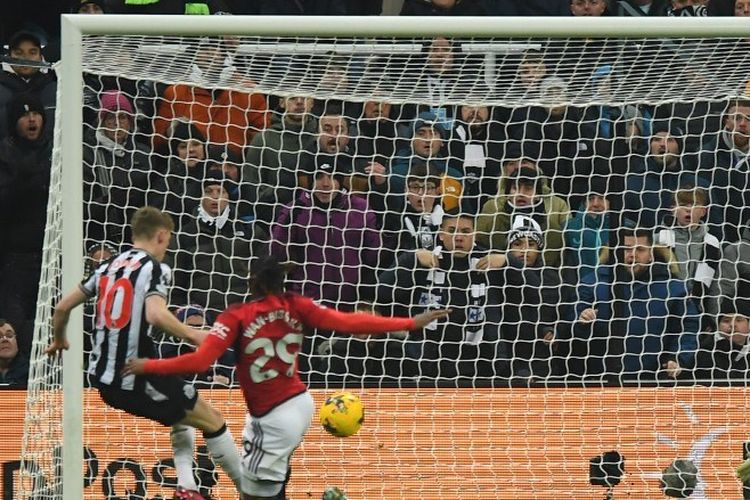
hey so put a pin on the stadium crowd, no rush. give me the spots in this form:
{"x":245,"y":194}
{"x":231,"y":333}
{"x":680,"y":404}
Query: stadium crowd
{"x":570,"y":241}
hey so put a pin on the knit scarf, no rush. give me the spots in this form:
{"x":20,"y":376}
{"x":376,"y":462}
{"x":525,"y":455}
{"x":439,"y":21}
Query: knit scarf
{"x":219,"y":221}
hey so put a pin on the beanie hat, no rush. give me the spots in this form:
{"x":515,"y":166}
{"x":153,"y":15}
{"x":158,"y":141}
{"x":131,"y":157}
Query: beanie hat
{"x":524,"y":175}
{"x":19,"y":106}
{"x":114,"y":101}
{"x":184,"y":312}
{"x":526,"y":227}
{"x":183,"y":131}
{"x":101,"y":3}
{"x":671,"y":129}
{"x":217,"y":177}
{"x":19,"y":36}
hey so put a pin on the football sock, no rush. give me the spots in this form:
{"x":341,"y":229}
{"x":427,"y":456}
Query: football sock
{"x":183,"y":445}
{"x":224,"y":452}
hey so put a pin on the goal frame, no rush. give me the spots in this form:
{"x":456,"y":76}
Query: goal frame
{"x":71,"y":122}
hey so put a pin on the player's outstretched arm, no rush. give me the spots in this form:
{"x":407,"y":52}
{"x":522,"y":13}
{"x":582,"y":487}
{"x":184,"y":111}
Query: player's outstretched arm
{"x":358,"y":323}
{"x":158,"y":314}
{"x":60,"y":320}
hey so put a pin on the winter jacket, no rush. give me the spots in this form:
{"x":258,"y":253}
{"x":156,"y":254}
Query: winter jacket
{"x":735,"y":268}
{"x":334,"y":246}
{"x":532,"y":302}
{"x":650,"y":191}
{"x":24,"y":188}
{"x":494,"y":223}
{"x":41,"y":85}
{"x":115,"y":185}
{"x":698,"y":256}
{"x":272,"y":162}
{"x":626,"y":8}
{"x":721,"y":360}
{"x":223,"y":116}
{"x":561,"y":147}
{"x":210,"y":264}
{"x":659,"y":320}
{"x":18,"y":375}
{"x":728,"y":172}
{"x":586,"y":235}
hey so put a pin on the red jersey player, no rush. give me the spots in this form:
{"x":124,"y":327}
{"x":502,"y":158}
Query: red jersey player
{"x":268,"y":333}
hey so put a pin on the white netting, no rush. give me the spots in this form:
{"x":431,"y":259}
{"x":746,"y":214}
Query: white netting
{"x":574,"y":145}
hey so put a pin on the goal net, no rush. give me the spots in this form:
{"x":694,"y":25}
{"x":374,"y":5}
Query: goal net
{"x":579,"y":202}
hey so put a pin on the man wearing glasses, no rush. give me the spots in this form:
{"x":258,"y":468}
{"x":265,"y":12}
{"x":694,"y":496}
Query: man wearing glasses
{"x":14,"y":366}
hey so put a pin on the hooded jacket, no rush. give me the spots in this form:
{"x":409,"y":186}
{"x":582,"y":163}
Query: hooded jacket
{"x":24,"y":188}
{"x":41,"y":85}
{"x":494,"y":223}
{"x":586,"y":234}
{"x":272,"y":162}
{"x":223,"y":116}
{"x":211,"y":263}
{"x":332,"y":246}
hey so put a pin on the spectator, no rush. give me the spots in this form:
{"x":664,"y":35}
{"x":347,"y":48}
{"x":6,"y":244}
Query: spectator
{"x":331,"y":236}
{"x":640,"y":8}
{"x":16,"y":79}
{"x":742,"y":8}
{"x":687,"y":8}
{"x":723,"y":163}
{"x":735,"y":269}
{"x":222,"y":116}
{"x":221,"y":374}
{"x":723,"y":355}
{"x":221,"y":160}
{"x":698,"y":252}
{"x":436,"y":80}
{"x":456,"y":275}
{"x":532,"y":298}
{"x":428,"y":144}
{"x":442,"y":8}
{"x":653,"y":180}
{"x":212,"y":252}
{"x":92,"y":7}
{"x":415,"y":226}
{"x":524,"y":193}
{"x":592,"y":8}
{"x":273,"y":156}
{"x":530,"y":72}
{"x":333,"y":138}
{"x":116,"y":171}
{"x":556,"y":137}
{"x":475,"y":149}
{"x":25,"y":164}
{"x":586,"y":234}
{"x":14,"y":365}
{"x":636,"y":319}
{"x":375,"y":137}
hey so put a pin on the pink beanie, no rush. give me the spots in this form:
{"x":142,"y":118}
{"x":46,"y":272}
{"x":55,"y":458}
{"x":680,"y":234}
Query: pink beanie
{"x":113,"y":101}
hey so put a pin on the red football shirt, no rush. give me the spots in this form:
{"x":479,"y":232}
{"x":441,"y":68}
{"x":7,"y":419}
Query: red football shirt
{"x":270,"y":333}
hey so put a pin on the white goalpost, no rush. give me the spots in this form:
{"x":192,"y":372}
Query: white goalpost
{"x":427,"y":434}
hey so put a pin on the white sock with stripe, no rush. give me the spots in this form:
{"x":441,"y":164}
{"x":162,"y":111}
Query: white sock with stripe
{"x":224,"y":452}
{"x":183,"y":447}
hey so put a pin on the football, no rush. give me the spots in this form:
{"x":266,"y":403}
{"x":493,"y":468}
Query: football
{"x":342,"y":414}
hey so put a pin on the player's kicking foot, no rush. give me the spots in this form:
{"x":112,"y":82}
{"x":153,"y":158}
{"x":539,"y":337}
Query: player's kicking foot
{"x":182,"y":494}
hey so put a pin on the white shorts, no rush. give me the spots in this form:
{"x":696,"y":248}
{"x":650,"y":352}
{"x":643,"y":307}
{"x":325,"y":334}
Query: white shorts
{"x":268,"y":443}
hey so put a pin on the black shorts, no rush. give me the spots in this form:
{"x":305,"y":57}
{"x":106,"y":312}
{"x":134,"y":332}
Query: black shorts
{"x":164,"y":399}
